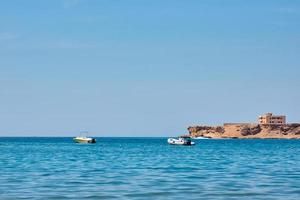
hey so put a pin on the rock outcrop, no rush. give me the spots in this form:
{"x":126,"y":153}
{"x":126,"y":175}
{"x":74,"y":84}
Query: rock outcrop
{"x":232,"y":130}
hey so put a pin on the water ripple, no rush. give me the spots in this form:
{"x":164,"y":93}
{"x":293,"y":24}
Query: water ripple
{"x":138,"y":168}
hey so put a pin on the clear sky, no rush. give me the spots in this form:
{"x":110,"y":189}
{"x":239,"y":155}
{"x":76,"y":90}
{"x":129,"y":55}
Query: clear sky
{"x":145,"y":68}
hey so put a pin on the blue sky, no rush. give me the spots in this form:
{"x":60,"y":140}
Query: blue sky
{"x":145,"y":68}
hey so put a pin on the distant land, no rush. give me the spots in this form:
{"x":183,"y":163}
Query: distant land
{"x":263,"y":131}
{"x":269,"y":126}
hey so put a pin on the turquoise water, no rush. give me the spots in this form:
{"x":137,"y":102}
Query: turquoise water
{"x":148,"y":168}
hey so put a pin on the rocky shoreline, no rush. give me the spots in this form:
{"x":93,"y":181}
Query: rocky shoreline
{"x":240,"y":130}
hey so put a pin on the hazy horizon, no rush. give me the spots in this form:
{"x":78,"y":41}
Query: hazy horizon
{"x":145,"y":68}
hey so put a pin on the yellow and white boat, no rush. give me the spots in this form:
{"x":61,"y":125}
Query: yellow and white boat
{"x":84,"y":139}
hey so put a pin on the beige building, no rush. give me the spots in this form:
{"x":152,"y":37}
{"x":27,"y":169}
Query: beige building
{"x":269,"y":118}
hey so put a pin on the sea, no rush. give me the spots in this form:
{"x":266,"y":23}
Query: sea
{"x":148,"y":168}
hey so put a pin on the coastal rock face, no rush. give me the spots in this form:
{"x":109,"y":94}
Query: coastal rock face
{"x":232,"y":130}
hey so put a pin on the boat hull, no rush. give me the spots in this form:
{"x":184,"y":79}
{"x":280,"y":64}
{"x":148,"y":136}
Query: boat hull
{"x":180,"y":141}
{"x":84,"y":140}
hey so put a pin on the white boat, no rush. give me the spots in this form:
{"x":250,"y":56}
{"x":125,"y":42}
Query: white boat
{"x":180,"y":141}
{"x":84,"y":139}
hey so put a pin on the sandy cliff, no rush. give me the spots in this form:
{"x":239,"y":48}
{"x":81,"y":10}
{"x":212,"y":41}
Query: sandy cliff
{"x":288,"y":131}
